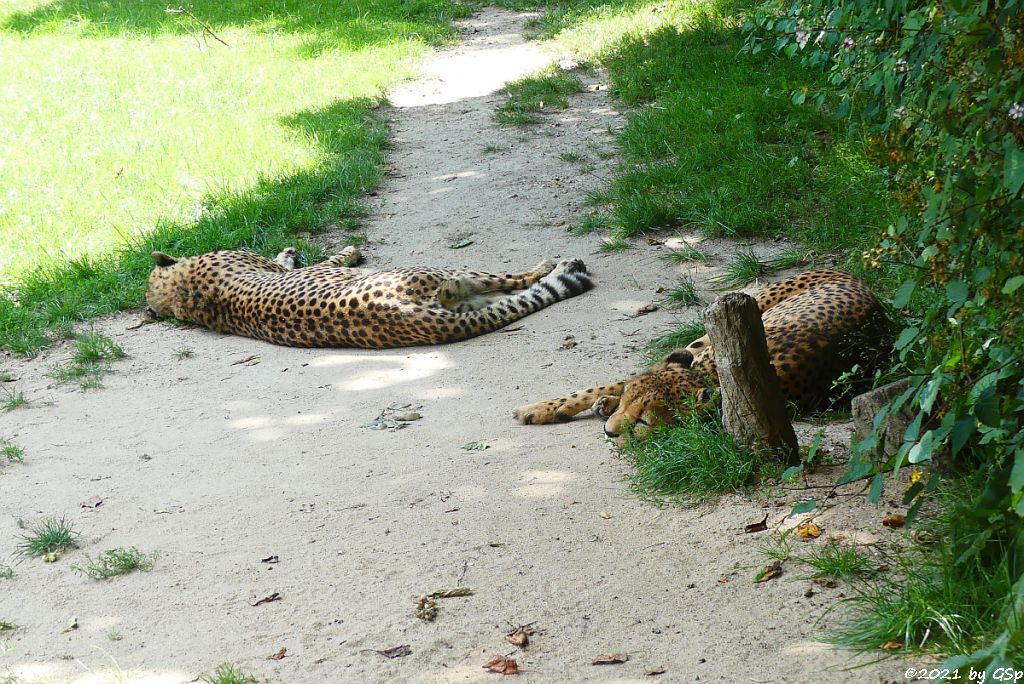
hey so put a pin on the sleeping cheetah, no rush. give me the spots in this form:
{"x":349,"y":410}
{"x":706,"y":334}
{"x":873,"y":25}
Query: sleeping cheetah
{"x":331,"y":305}
{"x":817,"y":324}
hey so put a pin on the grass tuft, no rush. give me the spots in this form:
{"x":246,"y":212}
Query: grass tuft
{"x":11,"y":452}
{"x":591,"y":223}
{"x":693,"y":461}
{"x":790,"y":258}
{"x":52,"y":535}
{"x":229,"y":674}
{"x":530,"y":96}
{"x":13,"y":398}
{"x":6,"y":572}
{"x":184,"y":353}
{"x":674,"y":339}
{"x":614,"y":244}
{"x":743,"y":268}
{"x":832,"y":561}
{"x":6,"y":626}
{"x":685,"y":255}
{"x":91,"y":361}
{"x":683,"y":294}
{"x":493,"y":149}
{"x":114,"y":562}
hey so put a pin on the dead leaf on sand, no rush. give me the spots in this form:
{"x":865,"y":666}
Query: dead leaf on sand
{"x":808,"y":530}
{"x":655,"y":672}
{"x":894,"y":520}
{"x":270,"y":559}
{"x":279,"y":655}
{"x":247,"y":361}
{"x":606,"y":515}
{"x":502,"y":665}
{"x":611,"y":659}
{"x":644,"y":310}
{"x":892,"y":646}
{"x":769,"y":572}
{"x":395,"y":651}
{"x":451,"y":592}
{"x":520,"y":636}
{"x":825,"y":582}
{"x":758,"y":526}
{"x":268,"y":599}
{"x":92,"y":502}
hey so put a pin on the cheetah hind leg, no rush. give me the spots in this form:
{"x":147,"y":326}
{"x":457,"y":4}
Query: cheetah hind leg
{"x":603,"y":400}
{"x":350,"y":256}
{"x":474,"y":290}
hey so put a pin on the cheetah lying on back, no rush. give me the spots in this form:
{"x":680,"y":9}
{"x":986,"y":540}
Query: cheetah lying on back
{"x":332,"y":305}
{"x":818,"y":325}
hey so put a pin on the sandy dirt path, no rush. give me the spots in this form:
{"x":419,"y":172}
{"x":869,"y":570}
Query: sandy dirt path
{"x":246,"y":451}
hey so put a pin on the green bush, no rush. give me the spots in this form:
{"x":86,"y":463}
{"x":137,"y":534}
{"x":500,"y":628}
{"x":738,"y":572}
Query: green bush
{"x":937,"y":90}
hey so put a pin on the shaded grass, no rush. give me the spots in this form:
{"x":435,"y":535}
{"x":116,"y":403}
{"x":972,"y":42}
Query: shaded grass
{"x":114,"y":562}
{"x":613,"y":243}
{"x":673,"y":339}
{"x":51,"y":535}
{"x":694,"y":460}
{"x":685,"y":255}
{"x":544,"y":92}
{"x":683,"y":294}
{"x":743,"y":268}
{"x":191,"y":146}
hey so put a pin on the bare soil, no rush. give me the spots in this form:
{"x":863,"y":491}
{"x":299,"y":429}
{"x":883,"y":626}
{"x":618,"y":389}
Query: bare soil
{"x":246,"y":466}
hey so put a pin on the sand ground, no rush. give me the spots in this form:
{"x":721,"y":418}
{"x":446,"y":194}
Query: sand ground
{"x":245,"y":451}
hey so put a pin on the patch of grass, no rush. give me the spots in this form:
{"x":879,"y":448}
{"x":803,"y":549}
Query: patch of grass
{"x":743,"y":268}
{"x":946,"y":596}
{"x":229,"y":674}
{"x":546,"y":91}
{"x":184,"y":353}
{"x":685,"y":255}
{"x":674,"y":339}
{"x":614,"y":244}
{"x":693,"y":461}
{"x":572,"y":157}
{"x":52,"y":535}
{"x":7,"y":376}
{"x":114,"y":635}
{"x":192,"y":146}
{"x":493,"y":149}
{"x":790,"y":258}
{"x":777,"y":547}
{"x":591,"y":223}
{"x":832,"y":561}
{"x":13,"y":398}
{"x":11,"y":452}
{"x":683,"y":294}
{"x":94,"y":353}
{"x":6,"y":626}
{"x":114,"y":562}
{"x":6,"y":572}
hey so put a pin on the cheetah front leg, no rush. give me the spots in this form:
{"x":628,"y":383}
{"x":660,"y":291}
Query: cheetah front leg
{"x":603,"y":400}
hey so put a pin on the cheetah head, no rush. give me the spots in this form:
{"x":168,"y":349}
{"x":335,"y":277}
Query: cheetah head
{"x":669,"y":388}
{"x":163,"y":294}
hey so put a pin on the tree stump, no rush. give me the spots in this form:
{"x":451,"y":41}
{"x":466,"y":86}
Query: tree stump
{"x":752,"y":407}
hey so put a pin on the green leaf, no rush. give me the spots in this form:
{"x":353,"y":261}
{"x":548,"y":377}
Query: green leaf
{"x":1013,"y":167}
{"x":962,"y":431}
{"x":906,"y":337}
{"x":986,"y":408}
{"x":922,"y":451}
{"x":902,"y":296}
{"x":798,"y":97}
{"x":1017,"y":474}
{"x":877,"y":482}
{"x":475,"y":446}
{"x":912,"y":492}
{"x":789,"y":475}
{"x":804,"y":507}
{"x":1013,"y":284}
{"x":956,"y":291}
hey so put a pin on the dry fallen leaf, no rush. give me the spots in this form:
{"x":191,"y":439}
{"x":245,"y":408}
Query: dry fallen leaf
{"x":892,"y":646}
{"x":307,"y":507}
{"x":268,"y":599}
{"x":270,"y":559}
{"x":451,"y":592}
{"x":758,"y":526}
{"x":396,"y":651}
{"x":611,"y":659}
{"x":808,"y":530}
{"x":501,"y":665}
{"x":723,"y":580}
{"x":520,"y":636}
{"x":279,"y":655}
{"x":426,"y":608}
{"x":606,"y":515}
{"x":893,"y":520}
{"x":825,"y":582}
{"x":92,"y":502}
{"x":655,"y":672}
{"x":769,"y":572}
{"x":645,"y":309}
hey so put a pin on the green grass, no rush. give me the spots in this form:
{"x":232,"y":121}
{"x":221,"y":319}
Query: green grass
{"x":7,"y":376}
{"x":573,"y":157}
{"x":951,"y":596}
{"x":673,"y":339}
{"x":493,"y":149}
{"x":184,"y":353}
{"x":6,"y":572}
{"x":12,"y":399}
{"x":743,"y":268}
{"x":832,"y":561}
{"x":114,"y":562}
{"x":229,"y":674}
{"x":614,"y":243}
{"x":11,"y":452}
{"x":546,"y":91}
{"x":91,"y":361}
{"x":591,"y":223}
{"x":6,"y":626}
{"x":693,"y":461}
{"x":683,"y":294}
{"x":686,"y":255}
{"x":790,"y":258}
{"x":769,"y":168}
{"x":52,"y":535}
{"x":190,"y":145}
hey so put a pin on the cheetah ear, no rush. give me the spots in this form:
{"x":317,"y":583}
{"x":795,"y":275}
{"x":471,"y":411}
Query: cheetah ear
{"x":680,"y":357}
{"x":163,"y":260}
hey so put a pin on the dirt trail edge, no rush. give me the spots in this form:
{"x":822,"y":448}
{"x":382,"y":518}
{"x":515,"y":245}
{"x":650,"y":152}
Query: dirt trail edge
{"x":250,"y":470}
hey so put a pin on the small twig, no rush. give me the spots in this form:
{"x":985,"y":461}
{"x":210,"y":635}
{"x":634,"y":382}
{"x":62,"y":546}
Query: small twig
{"x":206,"y":27}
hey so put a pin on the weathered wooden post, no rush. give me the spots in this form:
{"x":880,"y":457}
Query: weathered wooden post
{"x":752,"y":405}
